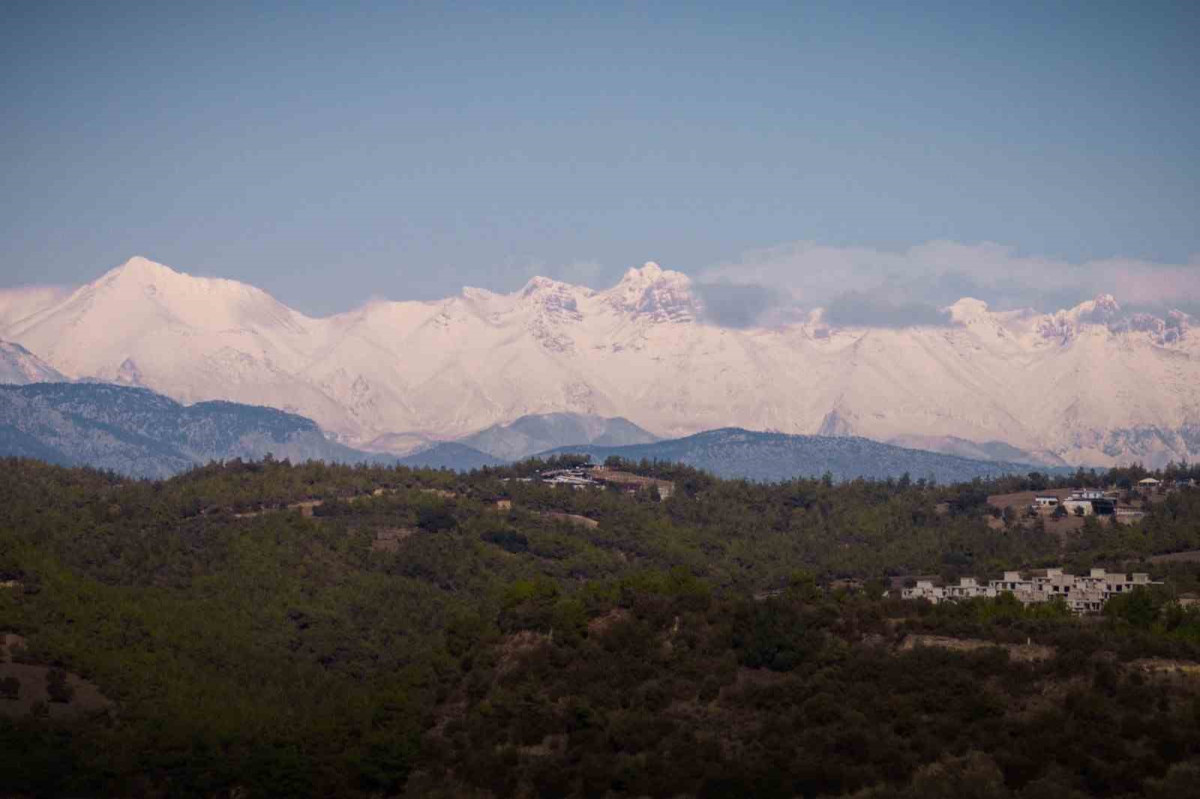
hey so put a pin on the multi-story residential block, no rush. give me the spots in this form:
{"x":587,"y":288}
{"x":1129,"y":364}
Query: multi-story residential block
{"x":1081,"y":594}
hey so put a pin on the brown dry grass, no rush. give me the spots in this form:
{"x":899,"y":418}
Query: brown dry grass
{"x":1179,"y":670}
{"x":1191,"y":556}
{"x":1021,"y":500}
{"x":515,"y":646}
{"x":573,"y":518}
{"x":388,"y":539}
{"x":87,"y":697}
{"x":1025,"y":653}
{"x":600,"y":624}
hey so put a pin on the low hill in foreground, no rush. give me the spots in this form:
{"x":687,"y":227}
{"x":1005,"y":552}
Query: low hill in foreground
{"x":139,"y":433}
{"x":732,"y":452}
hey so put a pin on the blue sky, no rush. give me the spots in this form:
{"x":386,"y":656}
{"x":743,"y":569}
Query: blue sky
{"x":331,"y":152}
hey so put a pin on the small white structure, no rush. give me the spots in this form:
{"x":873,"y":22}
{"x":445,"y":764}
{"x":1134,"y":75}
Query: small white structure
{"x":1013,"y":581}
{"x":1129,"y":515}
{"x":576,"y":477}
{"x":1083,"y":506}
{"x":925,"y":589}
{"x":1149,"y":482}
{"x":968,"y":588}
{"x":1045,"y":501}
{"x":1088,"y":493}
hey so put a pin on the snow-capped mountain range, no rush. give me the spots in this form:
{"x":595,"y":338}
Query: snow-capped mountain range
{"x":1090,"y":385}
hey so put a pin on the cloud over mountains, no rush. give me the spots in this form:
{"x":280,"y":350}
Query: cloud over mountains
{"x":880,"y":288}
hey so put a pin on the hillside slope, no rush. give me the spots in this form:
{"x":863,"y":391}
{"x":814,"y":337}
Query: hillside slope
{"x":732,"y":453}
{"x":19,"y":366}
{"x":450,"y":455}
{"x":137,"y":432}
{"x":539,"y":432}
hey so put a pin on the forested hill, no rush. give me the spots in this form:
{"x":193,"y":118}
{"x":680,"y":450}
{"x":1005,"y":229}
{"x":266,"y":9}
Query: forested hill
{"x":136,"y":432}
{"x":270,"y":629}
{"x":732,"y":452}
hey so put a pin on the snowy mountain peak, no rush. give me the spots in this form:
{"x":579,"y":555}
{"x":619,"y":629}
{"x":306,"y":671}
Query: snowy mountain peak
{"x":139,"y":267}
{"x":1101,"y":310}
{"x":156,"y":316}
{"x":541,"y":285}
{"x":657,"y":294}
{"x":139,"y":276}
{"x":552,"y":301}
{"x":546,"y":290}
{"x":648,"y":273}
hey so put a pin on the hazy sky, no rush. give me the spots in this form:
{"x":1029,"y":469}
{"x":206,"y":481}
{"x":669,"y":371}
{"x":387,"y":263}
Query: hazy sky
{"x":330,"y":152}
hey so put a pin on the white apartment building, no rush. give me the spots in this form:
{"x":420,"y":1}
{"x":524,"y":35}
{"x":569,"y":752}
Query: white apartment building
{"x":1081,"y":594}
{"x":967,"y":588}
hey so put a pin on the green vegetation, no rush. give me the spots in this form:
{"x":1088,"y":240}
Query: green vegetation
{"x":409,"y":637}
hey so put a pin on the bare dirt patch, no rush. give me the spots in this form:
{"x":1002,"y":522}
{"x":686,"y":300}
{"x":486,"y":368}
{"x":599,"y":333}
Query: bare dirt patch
{"x":9,"y":642}
{"x":1021,"y":500}
{"x":305,"y":508}
{"x":86,"y":697}
{"x":517,"y":645}
{"x":550,"y":745}
{"x":573,"y":518}
{"x":1067,"y":524}
{"x":1190,"y":556}
{"x":600,"y":624}
{"x":389,"y":538}
{"x":1168,"y":669}
{"x":749,"y":679}
{"x":439,"y":492}
{"x":631,"y":480}
{"x":1025,"y":653}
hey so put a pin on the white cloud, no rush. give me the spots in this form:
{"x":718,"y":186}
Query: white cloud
{"x":940,"y":272}
{"x":22,"y":301}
